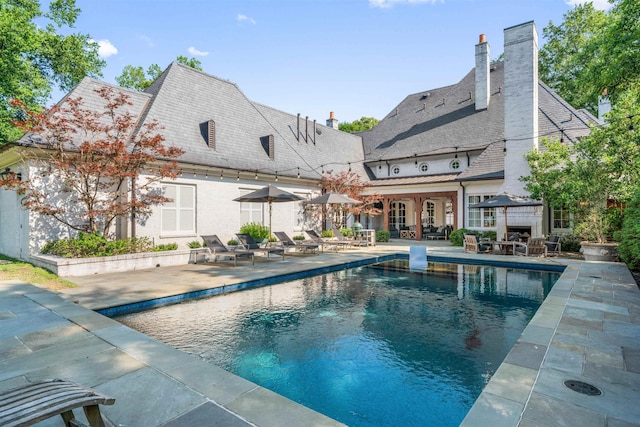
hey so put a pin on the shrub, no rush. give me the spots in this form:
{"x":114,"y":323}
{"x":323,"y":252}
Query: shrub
{"x":327,"y":233}
{"x":300,"y":237}
{"x":255,"y":230}
{"x":194,"y":244}
{"x":94,"y":245}
{"x":457,"y":236}
{"x":347,"y":232}
{"x":382,"y":236}
{"x":232,"y":242}
{"x":491,"y":235}
{"x":629,"y":235}
{"x":570,"y":243}
{"x":165,"y":247}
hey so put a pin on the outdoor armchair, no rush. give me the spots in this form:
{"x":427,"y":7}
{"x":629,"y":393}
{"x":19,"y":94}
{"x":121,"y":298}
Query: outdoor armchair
{"x":218,"y":250}
{"x":535,"y":246}
{"x":472,"y":245}
{"x":553,"y":245}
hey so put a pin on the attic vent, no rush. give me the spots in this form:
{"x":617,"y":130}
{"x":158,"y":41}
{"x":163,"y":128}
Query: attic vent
{"x":268,"y":146}
{"x":211,"y":134}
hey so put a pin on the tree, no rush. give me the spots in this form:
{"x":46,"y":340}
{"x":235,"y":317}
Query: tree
{"x":593,"y":51}
{"x":136,"y":78}
{"x":350,"y":184}
{"x":85,"y":160}
{"x":362,"y":124}
{"x":34,"y":57}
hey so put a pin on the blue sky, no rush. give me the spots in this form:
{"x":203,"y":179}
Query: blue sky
{"x":354,"y":57}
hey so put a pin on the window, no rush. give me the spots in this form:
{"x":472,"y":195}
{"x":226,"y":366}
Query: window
{"x":395,"y":169}
{"x":429,"y":214}
{"x":250,"y":212}
{"x":397,"y":215}
{"x":480,"y":217}
{"x":179,"y":215}
{"x":424,"y":167}
{"x":448,"y":209}
{"x":455,"y":164}
{"x":560,"y":218}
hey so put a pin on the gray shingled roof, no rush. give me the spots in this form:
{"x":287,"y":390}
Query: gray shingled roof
{"x":184,"y":98}
{"x":438,"y":120}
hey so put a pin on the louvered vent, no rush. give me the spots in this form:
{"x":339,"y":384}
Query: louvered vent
{"x":211,"y":134}
{"x":268,"y":146}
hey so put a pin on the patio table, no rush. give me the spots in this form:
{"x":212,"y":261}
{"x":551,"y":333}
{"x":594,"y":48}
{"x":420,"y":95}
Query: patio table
{"x":506,"y":247}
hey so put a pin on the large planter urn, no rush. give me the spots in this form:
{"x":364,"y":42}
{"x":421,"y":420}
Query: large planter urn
{"x":599,"y":251}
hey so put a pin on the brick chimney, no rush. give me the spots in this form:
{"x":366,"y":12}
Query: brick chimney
{"x":520,"y":102}
{"x":483,"y":94}
{"x":332,"y":122}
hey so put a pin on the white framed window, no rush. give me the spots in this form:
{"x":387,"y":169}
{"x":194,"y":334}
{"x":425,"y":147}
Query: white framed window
{"x":560,"y":218}
{"x":395,"y":170}
{"x":397,"y":215}
{"x":251,"y":212}
{"x":480,"y":217}
{"x":179,"y":215}
{"x":454,"y":164}
{"x":424,"y":167}
{"x":429,"y":214}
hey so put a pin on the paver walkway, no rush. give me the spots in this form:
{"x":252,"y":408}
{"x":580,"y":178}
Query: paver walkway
{"x":588,"y":329}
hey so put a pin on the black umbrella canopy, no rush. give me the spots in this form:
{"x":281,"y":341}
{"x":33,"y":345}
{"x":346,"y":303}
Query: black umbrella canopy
{"x":331,"y":198}
{"x":268,"y":194}
{"x":506,"y":201}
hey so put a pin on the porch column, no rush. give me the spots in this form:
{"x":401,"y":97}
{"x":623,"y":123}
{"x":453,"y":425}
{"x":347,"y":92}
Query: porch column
{"x":385,"y":212}
{"x":418,"y":202}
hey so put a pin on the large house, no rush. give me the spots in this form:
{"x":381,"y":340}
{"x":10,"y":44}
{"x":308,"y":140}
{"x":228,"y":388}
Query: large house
{"x":433,"y":156}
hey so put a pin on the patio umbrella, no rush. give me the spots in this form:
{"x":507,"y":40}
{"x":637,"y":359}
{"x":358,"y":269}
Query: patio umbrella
{"x":269,"y":194}
{"x":332,"y":198}
{"x":506,"y":201}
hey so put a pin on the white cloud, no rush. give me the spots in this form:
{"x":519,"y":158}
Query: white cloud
{"x":147,"y":40}
{"x":384,"y":4}
{"x":598,"y":4}
{"x":105,"y":48}
{"x":195,"y":52}
{"x":245,"y":18}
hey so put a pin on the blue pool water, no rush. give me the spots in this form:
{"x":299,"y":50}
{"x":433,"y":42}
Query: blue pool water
{"x":369,"y":346}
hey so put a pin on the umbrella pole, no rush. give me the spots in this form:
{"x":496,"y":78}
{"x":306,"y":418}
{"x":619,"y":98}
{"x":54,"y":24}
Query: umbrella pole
{"x":269,"y":240}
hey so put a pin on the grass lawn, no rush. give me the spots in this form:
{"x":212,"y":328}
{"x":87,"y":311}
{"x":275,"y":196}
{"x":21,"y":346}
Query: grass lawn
{"x":12,"y":269}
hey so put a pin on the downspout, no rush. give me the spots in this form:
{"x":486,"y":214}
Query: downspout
{"x":464,"y":193}
{"x":468,"y":160}
{"x":133,"y":210}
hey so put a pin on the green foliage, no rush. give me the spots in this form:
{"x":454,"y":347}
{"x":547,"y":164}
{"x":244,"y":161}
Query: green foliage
{"x":36,"y":56}
{"x":457,"y":236}
{"x":490,"y":235}
{"x":326,"y":234}
{"x":629,"y":235}
{"x":570,"y":242}
{"x":298,"y":237}
{"x":136,"y":78}
{"x":347,"y":232}
{"x":165,"y":247}
{"x":382,"y":236}
{"x":362,"y":124}
{"x":255,"y":230}
{"x":232,"y":242}
{"x":194,"y":244}
{"x":95,"y":245}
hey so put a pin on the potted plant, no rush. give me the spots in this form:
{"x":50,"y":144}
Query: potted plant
{"x":259,"y":232}
{"x":590,"y":178}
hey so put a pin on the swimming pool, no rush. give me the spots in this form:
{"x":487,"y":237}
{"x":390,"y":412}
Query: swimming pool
{"x":369,"y":346}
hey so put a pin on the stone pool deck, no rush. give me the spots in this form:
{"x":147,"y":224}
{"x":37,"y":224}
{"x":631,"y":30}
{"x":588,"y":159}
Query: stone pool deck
{"x":588,"y":329}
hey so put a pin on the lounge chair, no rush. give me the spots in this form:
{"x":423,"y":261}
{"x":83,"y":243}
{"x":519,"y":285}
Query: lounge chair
{"x":351,"y":242}
{"x":287,"y":243}
{"x":534,"y":247}
{"x":249,"y":244}
{"x":472,"y":245}
{"x":553,"y":245}
{"x":218,"y":250}
{"x":329,"y":244}
{"x":29,"y":404}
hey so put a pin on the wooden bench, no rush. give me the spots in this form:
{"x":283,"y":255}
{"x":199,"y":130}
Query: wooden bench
{"x":29,"y":404}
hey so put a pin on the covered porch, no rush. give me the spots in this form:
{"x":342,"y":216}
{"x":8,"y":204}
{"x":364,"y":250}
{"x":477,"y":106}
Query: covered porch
{"x":411,"y":215}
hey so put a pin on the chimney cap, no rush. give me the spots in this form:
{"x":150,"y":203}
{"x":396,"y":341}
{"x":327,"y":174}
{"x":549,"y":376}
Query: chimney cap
{"x":332,"y":115}
{"x":483,"y":38}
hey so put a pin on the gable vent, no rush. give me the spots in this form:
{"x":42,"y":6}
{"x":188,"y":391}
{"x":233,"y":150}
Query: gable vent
{"x":268,"y":146}
{"x":211,"y":134}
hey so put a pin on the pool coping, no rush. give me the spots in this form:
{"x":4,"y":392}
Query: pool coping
{"x":516,"y":394}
